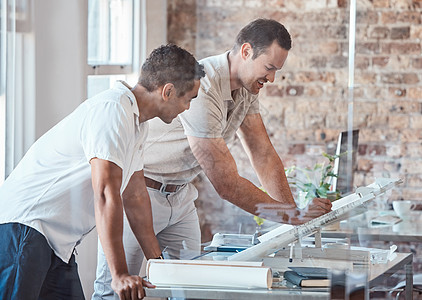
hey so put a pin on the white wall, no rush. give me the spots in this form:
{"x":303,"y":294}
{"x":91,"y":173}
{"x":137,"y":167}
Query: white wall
{"x":60,"y":55}
{"x":60,"y":33}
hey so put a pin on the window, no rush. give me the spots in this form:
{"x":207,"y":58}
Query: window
{"x":113,"y":43}
{"x":16,"y":99}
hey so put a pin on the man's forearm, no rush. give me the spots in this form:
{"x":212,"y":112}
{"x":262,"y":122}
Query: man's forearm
{"x":109,"y":221}
{"x":137,"y":206}
{"x":270,"y":171}
{"x":247,"y":196}
{"x":144,"y":233}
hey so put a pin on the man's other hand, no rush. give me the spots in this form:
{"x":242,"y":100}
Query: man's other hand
{"x":288,"y":214}
{"x":130,"y":287}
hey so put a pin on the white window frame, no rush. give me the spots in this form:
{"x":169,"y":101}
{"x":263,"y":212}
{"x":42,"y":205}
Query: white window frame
{"x":139,"y":24}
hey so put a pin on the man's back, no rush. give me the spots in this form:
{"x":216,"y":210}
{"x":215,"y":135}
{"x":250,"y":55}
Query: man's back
{"x":214,"y":113}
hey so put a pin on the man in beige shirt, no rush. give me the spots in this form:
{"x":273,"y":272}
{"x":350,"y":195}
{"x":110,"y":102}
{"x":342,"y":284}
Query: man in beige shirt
{"x":227,"y":104}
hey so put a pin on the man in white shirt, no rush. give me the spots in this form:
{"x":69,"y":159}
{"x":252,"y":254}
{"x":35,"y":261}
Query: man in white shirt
{"x":227,"y":104}
{"x":88,"y":171}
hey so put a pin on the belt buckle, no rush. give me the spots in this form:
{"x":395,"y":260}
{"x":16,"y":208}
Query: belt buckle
{"x":163,"y":189}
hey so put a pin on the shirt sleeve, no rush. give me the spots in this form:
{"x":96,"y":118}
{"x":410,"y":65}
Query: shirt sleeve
{"x":254,"y":107}
{"x":105,"y":133}
{"x":204,"y":117}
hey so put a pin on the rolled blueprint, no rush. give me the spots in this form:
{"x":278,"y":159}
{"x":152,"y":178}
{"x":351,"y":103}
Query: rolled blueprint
{"x":169,"y":272}
{"x":348,"y":206}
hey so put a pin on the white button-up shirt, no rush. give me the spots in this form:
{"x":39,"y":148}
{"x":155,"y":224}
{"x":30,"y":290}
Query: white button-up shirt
{"x":50,"y":189}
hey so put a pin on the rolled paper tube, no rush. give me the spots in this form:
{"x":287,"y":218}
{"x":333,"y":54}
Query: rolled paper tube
{"x":341,"y":209}
{"x":208,"y":274}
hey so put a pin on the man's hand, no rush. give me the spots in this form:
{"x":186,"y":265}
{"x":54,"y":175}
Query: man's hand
{"x":130,"y":287}
{"x":288,"y":214}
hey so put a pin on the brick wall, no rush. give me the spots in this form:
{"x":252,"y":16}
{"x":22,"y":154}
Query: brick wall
{"x":306,"y":107}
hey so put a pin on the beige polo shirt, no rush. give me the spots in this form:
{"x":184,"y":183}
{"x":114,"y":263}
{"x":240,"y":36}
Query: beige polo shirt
{"x":215,"y":113}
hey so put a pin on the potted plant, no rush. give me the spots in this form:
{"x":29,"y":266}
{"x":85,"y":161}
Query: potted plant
{"x":313,"y":182}
{"x":310,"y":183}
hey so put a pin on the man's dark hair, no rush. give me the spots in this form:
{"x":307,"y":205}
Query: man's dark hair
{"x":170,"y":64}
{"x":261,"y":33}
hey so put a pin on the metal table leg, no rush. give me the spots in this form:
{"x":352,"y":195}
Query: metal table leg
{"x":409,"y":280}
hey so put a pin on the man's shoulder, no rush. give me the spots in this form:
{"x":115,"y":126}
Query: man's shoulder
{"x":217,"y":72}
{"x":112,"y":96}
{"x":215,"y":62}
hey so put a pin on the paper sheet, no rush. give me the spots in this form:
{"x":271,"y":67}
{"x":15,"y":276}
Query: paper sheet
{"x":208,"y":273}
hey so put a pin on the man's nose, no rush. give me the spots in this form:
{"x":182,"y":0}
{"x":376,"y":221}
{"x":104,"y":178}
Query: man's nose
{"x":270,"y":77}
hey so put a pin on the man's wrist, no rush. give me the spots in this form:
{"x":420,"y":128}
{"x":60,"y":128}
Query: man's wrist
{"x":159,"y":257}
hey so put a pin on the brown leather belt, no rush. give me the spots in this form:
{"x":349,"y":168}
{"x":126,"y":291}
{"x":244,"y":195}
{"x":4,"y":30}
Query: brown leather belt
{"x":163,"y":188}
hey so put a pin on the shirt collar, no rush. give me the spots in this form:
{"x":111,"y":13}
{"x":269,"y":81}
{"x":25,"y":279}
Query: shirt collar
{"x":225,"y":76}
{"x":122,"y":85}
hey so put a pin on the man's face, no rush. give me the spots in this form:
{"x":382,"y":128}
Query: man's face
{"x":176,"y":105}
{"x":254,"y":73}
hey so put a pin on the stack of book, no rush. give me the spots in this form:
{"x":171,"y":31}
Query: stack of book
{"x":308,"y":276}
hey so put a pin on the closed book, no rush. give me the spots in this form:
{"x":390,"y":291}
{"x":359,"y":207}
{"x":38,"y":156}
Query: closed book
{"x":305,"y":281}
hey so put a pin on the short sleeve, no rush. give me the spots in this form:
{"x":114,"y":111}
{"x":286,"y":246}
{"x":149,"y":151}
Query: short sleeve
{"x":204,"y":117}
{"x":254,"y":107}
{"x":105,"y":131}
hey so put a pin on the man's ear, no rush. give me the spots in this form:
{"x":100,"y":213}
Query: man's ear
{"x":246,"y":51}
{"x":168,"y":89}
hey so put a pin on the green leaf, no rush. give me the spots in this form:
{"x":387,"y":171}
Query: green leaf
{"x":259,"y":221}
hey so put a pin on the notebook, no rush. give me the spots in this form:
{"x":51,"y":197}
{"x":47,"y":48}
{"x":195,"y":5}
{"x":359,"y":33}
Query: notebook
{"x":386,"y":220}
{"x":308,"y":276}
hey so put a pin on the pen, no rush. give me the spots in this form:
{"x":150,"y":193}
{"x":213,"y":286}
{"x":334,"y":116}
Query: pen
{"x":291,"y":252}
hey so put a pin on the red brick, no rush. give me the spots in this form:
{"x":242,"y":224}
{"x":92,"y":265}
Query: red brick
{"x":417,"y":63}
{"x":401,"y":4}
{"x":294,"y":91}
{"x":366,"y":17}
{"x":297,"y":149}
{"x":338,"y":62}
{"x":395,"y":150}
{"x":412,"y":166}
{"x":389,"y":17}
{"x":378,"y":134}
{"x":401,"y":48}
{"x":400,"y":78}
{"x":380,"y":61}
{"x":376,"y":120}
{"x":330,"y":47}
{"x":414,"y":180}
{"x":400,"y":33}
{"x":416,"y":32}
{"x":376,"y":150}
{"x":365,"y":77}
{"x":416,"y":122}
{"x":362,"y":149}
{"x":314,"y":91}
{"x":415,"y":92}
{"x":381,"y":3}
{"x":318,"y":62}
{"x":379,"y":32}
{"x":412,"y":17}
{"x":305,"y":135}
{"x":343,"y":3}
{"x":326,"y":135}
{"x":417,"y":3}
{"x":398,"y":121}
{"x":368,"y":48}
{"x":327,"y":77}
{"x":364,"y":165}
{"x":397,"y":92}
{"x":274,"y":91}
{"x":361,"y":62}
{"x":410,"y":135}
{"x":413,"y":149}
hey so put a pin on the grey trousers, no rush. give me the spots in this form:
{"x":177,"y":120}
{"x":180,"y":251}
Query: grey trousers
{"x":177,"y":229}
